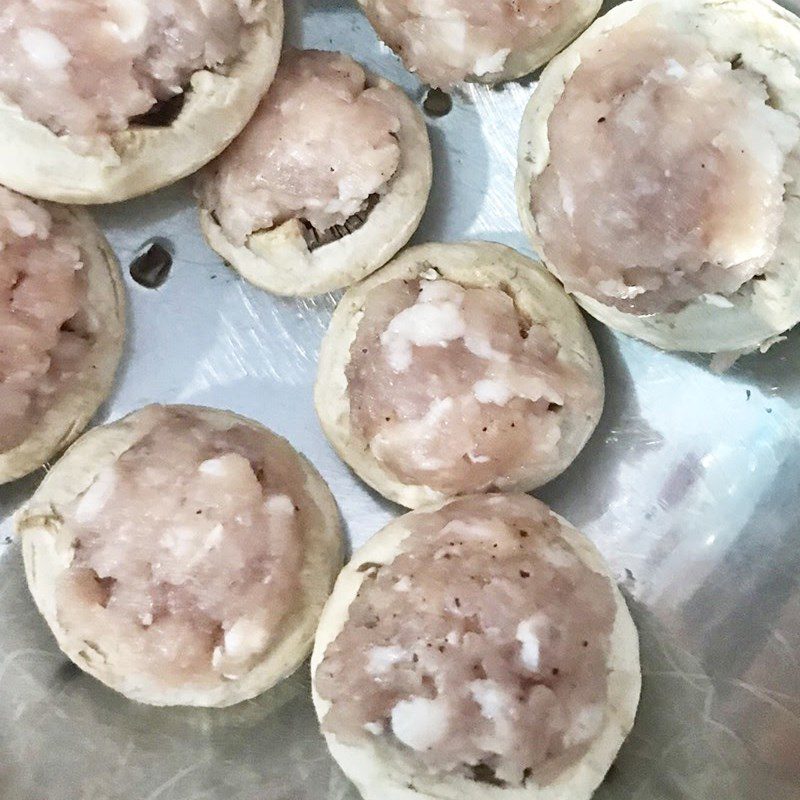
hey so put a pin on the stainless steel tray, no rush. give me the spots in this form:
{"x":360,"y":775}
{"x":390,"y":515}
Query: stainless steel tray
{"x":689,"y":487}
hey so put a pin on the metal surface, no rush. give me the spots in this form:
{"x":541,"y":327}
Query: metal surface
{"x":689,"y":487}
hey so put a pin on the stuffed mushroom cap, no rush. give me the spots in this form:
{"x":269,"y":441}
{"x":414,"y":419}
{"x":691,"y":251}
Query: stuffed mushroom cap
{"x":478,"y":40}
{"x":62,"y":318}
{"x":326,"y":183}
{"x":182,"y":555}
{"x":458,"y":368}
{"x":658,"y":164}
{"x":100,"y":102}
{"x":477,"y":648}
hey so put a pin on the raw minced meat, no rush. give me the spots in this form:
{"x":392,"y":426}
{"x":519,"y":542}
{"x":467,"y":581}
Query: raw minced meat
{"x":188,"y":551}
{"x":666,"y":172}
{"x":481,"y":649}
{"x":444,"y":43}
{"x":320,"y":144}
{"x":44,"y":332}
{"x":452,"y":388}
{"x":86,"y":67}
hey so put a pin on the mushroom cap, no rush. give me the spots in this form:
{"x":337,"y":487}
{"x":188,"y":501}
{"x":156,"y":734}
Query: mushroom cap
{"x":767,"y":37}
{"x":280,"y":261}
{"x":48,"y":550}
{"x":39,"y":163}
{"x":76,"y":403}
{"x":477,"y":264}
{"x":376,"y":769}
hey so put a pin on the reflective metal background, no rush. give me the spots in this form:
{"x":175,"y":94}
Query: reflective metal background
{"x":690,"y":487}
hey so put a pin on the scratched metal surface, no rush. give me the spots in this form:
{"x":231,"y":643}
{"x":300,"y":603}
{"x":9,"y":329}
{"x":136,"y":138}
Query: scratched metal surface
{"x":690,"y":488}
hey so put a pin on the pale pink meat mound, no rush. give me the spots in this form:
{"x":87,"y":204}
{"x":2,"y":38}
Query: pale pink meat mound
{"x":481,"y":650}
{"x":44,"y":330}
{"x":445,"y":43}
{"x":86,"y":67}
{"x":666,"y":174}
{"x":321,"y":143}
{"x":453,"y":388}
{"x":188,"y":551}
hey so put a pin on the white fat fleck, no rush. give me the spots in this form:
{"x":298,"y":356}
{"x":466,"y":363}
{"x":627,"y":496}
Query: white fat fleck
{"x":452,"y":638}
{"x":430,"y":423}
{"x":21,"y":224}
{"x":468,"y":529}
{"x":585,"y":726}
{"x":491,"y":698}
{"x":527,"y":636}
{"x":212,"y":541}
{"x":375,"y":728}
{"x":716,"y":300}
{"x":481,"y":347}
{"x":476,"y":459}
{"x":381,"y":659}
{"x":214,"y":538}
{"x":452,"y":31}
{"x":558,"y":556}
{"x":437,"y":411}
{"x":403,"y":585}
{"x":619,"y":289}
{"x":675,"y":69}
{"x":182,"y":542}
{"x":244,"y":639}
{"x":127,"y":19}
{"x":420,"y":723}
{"x":44,"y":49}
{"x":434,"y":320}
{"x":567,"y":197}
{"x":485,"y":65}
{"x":214,"y":466}
{"x":96,"y":496}
{"x":280,"y":504}
{"x":146,"y":619}
{"x":492,"y":391}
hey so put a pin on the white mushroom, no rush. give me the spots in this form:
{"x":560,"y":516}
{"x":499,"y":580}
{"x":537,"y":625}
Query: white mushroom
{"x":315,"y":195}
{"x":482,"y":40}
{"x":56,"y":153}
{"x":56,"y":406}
{"x":458,"y":368}
{"x":707,"y":251}
{"x":175,"y":585}
{"x":424,"y":746}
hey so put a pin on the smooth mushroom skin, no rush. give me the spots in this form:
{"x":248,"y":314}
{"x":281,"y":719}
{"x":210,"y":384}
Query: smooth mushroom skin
{"x":292,"y":257}
{"x":215,"y":103}
{"x":754,"y":36}
{"x":76,"y":370}
{"x":568,"y":379}
{"x":382,"y":760}
{"x":476,"y":40}
{"x":194,"y":628}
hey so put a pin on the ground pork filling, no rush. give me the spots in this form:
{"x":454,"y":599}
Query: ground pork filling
{"x":320,"y":146}
{"x":453,"y":388}
{"x":86,"y":68}
{"x":666,"y":174}
{"x":188,"y":552}
{"x":45,"y":331}
{"x":482,"y":649}
{"x":446,"y":45}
